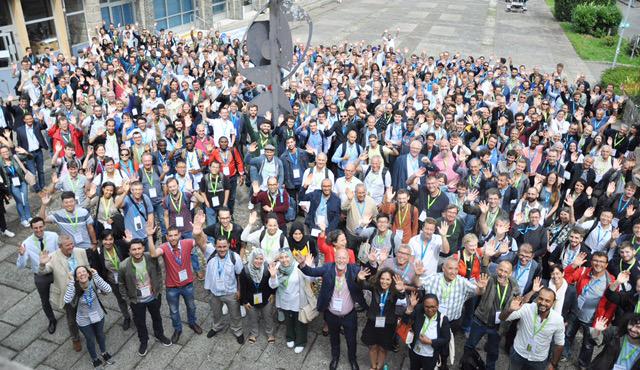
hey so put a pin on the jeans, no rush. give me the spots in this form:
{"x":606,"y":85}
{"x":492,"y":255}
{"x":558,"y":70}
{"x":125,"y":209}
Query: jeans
{"x":122,"y":304}
{"x":492,"y":346}
{"x":296,"y":330}
{"x":350,"y":324}
{"x":158,"y":211}
{"x":140,"y":319}
{"x":469,"y":308}
{"x":36,"y":167}
{"x":586,"y":349}
{"x":215,"y":302}
{"x":212,"y":216}
{"x":233,"y":185}
{"x":43,"y":285}
{"x":93,"y":332}
{"x":517,"y":362}
{"x":173,"y":300}
{"x":21,"y":196}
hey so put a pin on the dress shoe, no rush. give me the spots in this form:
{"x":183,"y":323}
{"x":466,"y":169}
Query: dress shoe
{"x":334,"y":363}
{"x":354,"y":365}
{"x":126,"y":323}
{"x":240,"y":339}
{"x":77,"y":346}
{"x":196,"y":328}
{"x":211,"y":333}
{"x":52,"y":326}
{"x":176,"y":336}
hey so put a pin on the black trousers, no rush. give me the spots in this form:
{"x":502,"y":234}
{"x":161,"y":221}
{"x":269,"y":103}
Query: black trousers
{"x":43,"y":285}
{"x":122,"y":304}
{"x":349,"y":323}
{"x":140,"y":319}
{"x":417,"y":362}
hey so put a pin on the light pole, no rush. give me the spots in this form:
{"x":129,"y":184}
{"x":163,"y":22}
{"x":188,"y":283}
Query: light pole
{"x":623,"y":26}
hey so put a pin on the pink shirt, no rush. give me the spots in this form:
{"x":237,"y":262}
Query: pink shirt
{"x":341,"y":294}
{"x":445,"y":165}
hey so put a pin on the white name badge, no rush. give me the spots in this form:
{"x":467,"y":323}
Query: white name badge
{"x":409,"y":339}
{"x":423,"y":216}
{"x":261,"y":151}
{"x":145,"y":292}
{"x":94,"y":316}
{"x":153,"y":193}
{"x":182,"y":275}
{"x":134,"y":111}
{"x":179,"y":221}
{"x":619,"y":367}
{"x":336,"y":304}
{"x":380,"y":320}
{"x":115,"y":277}
{"x":315,"y":232}
{"x":257,"y":298}
{"x":107,"y":226}
{"x":137,"y":223}
{"x":614,"y":152}
{"x":497,"y":317}
{"x":215,"y":201}
{"x":296,"y":173}
{"x":399,"y":234}
{"x":225,"y":171}
{"x":15,"y":181}
{"x":567,"y":175}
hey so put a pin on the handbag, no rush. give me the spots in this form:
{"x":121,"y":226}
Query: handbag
{"x":363,"y":252}
{"x":310,"y":310}
{"x":403,"y":331}
{"x":29,"y":178}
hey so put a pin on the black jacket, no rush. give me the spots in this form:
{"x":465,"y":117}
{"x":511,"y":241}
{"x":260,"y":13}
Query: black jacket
{"x":441,"y":344}
{"x":248,"y":288}
{"x":328,"y":274}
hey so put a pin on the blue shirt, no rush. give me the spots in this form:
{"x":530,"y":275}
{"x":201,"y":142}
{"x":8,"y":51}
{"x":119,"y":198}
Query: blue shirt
{"x":135,"y":218}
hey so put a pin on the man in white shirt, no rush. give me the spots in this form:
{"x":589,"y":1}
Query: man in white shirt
{"x":318,"y":173}
{"x":427,"y":245}
{"x":538,"y":326}
{"x":599,"y":236}
{"x":347,"y":182}
{"x":223,"y":127}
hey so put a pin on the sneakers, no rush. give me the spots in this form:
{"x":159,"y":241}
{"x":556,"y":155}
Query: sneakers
{"x":142,"y":350}
{"x":97,"y":363}
{"x":106,"y":357}
{"x":240,"y":339}
{"x":298,"y":349}
{"x":8,"y":233}
{"x":225,"y":309}
{"x":165,"y":341}
{"x":176,"y":336}
{"x":24,"y":223}
{"x":290,"y":344}
{"x":211,"y":333}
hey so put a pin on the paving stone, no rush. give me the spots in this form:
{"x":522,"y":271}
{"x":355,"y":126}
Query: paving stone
{"x":18,"y":279}
{"x":450,"y":17}
{"x":5,"y":330}
{"x":199,"y":349}
{"x":10,"y":297}
{"x":64,"y":357}
{"x":456,"y":7}
{"x":35,"y":353}
{"x":7,"y":352}
{"x":25,"y":334}
{"x":44,"y":367}
{"x":159,"y":356}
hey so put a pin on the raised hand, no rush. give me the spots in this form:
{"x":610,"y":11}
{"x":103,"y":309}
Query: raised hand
{"x":349,"y":193}
{"x":255,"y":187}
{"x":631,"y":210}
{"x":45,"y":198}
{"x":128,"y":236}
{"x":373,"y":256}
{"x":537,"y":284}
{"x":413,"y":299}
{"x":397,"y":279}
{"x":568,"y":200}
{"x":253,"y":218}
{"x":44,"y":258}
{"x":444,"y":228}
{"x":611,"y":188}
{"x":484,"y":207}
{"x":300,"y":258}
{"x":151,"y":229}
{"x":588,"y":213}
{"x":615,"y":234}
{"x":579,"y":260}
{"x":623,"y":277}
{"x":516,"y":303}
{"x":21,"y":249}
{"x":389,"y":195}
{"x":419,"y":267}
{"x":472,"y":195}
{"x":199,"y":220}
{"x":322,"y":225}
{"x":600,"y":324}
{"x":482,"y":282}
{"x":364,"y":274}
{"x":273,"y":270}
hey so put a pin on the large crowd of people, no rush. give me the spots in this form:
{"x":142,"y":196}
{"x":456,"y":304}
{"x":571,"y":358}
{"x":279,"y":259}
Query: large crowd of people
{"x":439,"y":196}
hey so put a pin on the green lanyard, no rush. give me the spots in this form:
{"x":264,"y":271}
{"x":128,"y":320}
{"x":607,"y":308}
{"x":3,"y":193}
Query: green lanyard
{"x":107,"y":208}
{"x":339,"y":283}
{"x":491,"y":221}
{"x":637,"y":310}
{"x":272,"y":201}
{"x":214,"y":190}
{"x":455,"y":224}
{"x":502,"y":296}
{"x":115,"y":261}
{"x":446,"y":289}
{"x":149,"y":179}
{"x":401,"y":217}
{"x":228,"y":234}
{"x":426,"y":325}
{"x":630,"y":266}
{"x":625,"y":346}
{"x":380,"y":239}
{"x":535,"y":321}
{"x":174,"y":204}
{"x":74,"y":223}
{"x":431,"y":201}
{"x":140,"y":275}
{"x":74,"y":185}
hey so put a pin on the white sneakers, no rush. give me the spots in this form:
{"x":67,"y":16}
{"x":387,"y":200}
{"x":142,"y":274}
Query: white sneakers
{"x":8,"y":233}
{"x":290,"y":344}
{"x":24,"y":223}
{"x":298,"y":349}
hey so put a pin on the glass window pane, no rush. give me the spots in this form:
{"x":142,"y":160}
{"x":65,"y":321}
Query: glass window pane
{"x":187,"y":18}
{"x":159,"y":9}
{"x":116,"y":13}
{"x":42,"y":35}
{"x":104,"y":11}
{"x":187,"y":5}
{"x":127,"y":10}
{"x":173,"y":7}
{"x":36,"y":9}
{"x":161,"y":25}
{"x":73,"y":6}
{"x":5,"y":16}
{"x":219,"y":7}
{"x":77,"y":29}
{"x":175,"y":21}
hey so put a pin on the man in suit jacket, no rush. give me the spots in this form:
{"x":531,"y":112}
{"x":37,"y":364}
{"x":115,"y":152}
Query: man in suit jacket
{"x":6,"y":119}
{"x":19,"y":111}
{"x":63,"y":263}
{"x":30,"y":139}
{"x":337,"y":299}
{"x":324,"y":205}
{"x":406,"y":165}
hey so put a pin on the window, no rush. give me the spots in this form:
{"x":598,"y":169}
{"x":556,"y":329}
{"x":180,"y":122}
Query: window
{"x":219,"y":6}
{"x":117,"y":12}
{"x":173,"y":13}
{"x":76,"y":23}
{"x":41,"y":28}
{"x":5,"y":14}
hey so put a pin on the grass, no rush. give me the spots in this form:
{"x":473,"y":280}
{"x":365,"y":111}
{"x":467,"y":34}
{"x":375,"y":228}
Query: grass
{"x":600,"y":49}
{"x":552,"y":6}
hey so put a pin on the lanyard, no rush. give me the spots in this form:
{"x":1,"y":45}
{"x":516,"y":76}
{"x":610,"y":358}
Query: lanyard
{"x":380,"y":240}
{"x":264,"y":141}
{"x":431,"y":201}
{"x":228,"y":233}
{"x":535,"y":321}
{"x":455,"y":224}
{"x":598,"y":239}
{"x":424,"y":249}
{"x":74,"y":185}
{"x":74,"y":223}
{"x":177,"y":258}
{"x":149,"y":179}
{"x":623,"y":207}
{"x":88,"y":298}
{"x":220,"y":268}
{"x":11,"y":169}
{"x":630,"y":265}
{"x":294,"y":159}
{"x":426,"y":325}
{"x":402,"y":217}
{"x":140,"y":275}
{"x":473,"y":183}
{"x":469,"y":264}
{"x":107,"y":208}
{"x":174,"y":204}
{"x":625,"y":348}
{"x":446,"y":289}
{"x":616,"y":142}
{"x":214,"y":189}
{"x":492,"y":220}
{"x":339,"y":283}
{"x":113,"y":258}
{"x":637,"y":310}
{"x":272,"y":200}
{"x":502,"y":296}
{"x":383,"y":301}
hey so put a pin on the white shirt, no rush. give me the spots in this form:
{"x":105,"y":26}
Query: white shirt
{"x":32,"y":250}
{"x":427,"y":252}
{"x":117,"y":178}
{"x":220,"y":278}
{"x":341,"y":185}
{"x":538,"y":344}
{"x":375,"y":184}
{"x":222,"y":128}
{"x":318,"y":176}
{"x":31,"y":139}
{"x":598,"y":238}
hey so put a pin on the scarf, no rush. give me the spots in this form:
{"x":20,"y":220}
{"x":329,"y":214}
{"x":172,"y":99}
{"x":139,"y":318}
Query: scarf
{"x":297,"y":245}
{"x":560,"y":292}
{"x":285,"y":271}
{"x":255,"y":273}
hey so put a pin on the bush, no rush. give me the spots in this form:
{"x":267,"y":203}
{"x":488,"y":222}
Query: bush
{"x":629,"y":76}
{"x":563,"y":9}
{"x":596,"y":20}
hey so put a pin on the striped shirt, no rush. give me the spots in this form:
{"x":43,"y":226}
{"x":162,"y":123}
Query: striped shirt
{"x":74,"y":224}
{"x":89,"y":310}
{"x":451,"y":295}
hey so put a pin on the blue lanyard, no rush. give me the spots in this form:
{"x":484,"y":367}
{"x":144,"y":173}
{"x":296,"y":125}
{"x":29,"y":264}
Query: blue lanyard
{"x":424,"y":249}
{"x":12,"y":170}
{"x":626,"y":204}
{"x":526,"y":230}
{"x":294,"y":161}
{"x":88,"y":298}
{"x":598,"y":239}
{"x":521,"y":271}
{"x":178,"y":258}
{"x":383,"y":301}
{"x":220,"y":268}
{"x":589,"y":286}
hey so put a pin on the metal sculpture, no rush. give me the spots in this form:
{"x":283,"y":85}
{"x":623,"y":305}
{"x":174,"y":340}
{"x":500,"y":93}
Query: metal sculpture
{"x":270,"y":49}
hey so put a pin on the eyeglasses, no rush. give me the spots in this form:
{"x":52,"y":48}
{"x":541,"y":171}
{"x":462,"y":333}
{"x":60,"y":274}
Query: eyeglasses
{"x":124,"y":153}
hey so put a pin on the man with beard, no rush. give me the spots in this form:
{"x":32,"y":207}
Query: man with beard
{"x":231,"y":166}
{"x":619,"y":344}
{"x":538,"y":326}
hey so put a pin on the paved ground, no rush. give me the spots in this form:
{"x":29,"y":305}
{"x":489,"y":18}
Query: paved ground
{"x":479,"y":27}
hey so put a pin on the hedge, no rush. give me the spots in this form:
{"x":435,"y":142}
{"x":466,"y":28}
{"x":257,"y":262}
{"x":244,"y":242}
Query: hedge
{"x":564,"y":8}
{"x":596,"y":20}
{"x":629,"y":76}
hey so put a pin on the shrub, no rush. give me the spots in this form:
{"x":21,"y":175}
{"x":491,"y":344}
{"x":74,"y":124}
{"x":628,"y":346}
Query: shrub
{"x":596,"y":20}
{"x":564,"y":8}
{"x":629,"y":76}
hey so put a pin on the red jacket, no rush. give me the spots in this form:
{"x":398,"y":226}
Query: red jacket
{"x":462,"y":264}
{"x":75,"y":137}
{"x":581,"y":277}
{"x":234,"y":161}
{"x":329,"y":251}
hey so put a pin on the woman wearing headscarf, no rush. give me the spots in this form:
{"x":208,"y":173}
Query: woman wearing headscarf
{"x":255,"y":295}
{"x":289,"y":283}
{"x":299,"y":243}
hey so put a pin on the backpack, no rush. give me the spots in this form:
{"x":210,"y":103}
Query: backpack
{"x":215,"y":253}
{"x":393,"y":241}
{"x":264,"y":232}
{"x":384,"y":175}
{"x":292,"y":212}
{"x":343,"y":148}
